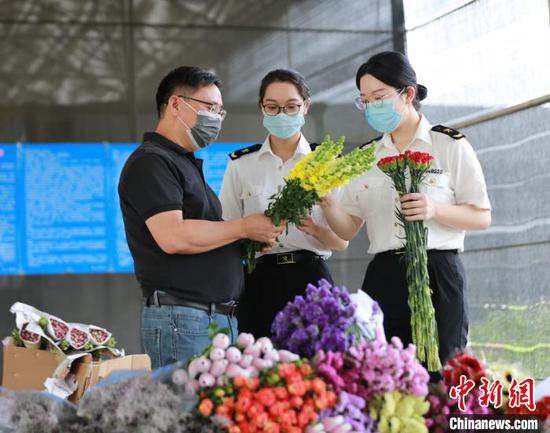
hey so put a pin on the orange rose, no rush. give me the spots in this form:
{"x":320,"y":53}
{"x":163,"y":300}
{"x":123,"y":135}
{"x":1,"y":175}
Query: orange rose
{"x":272,"y":427}
{"x":321,"y":403}
{"x":294,"y":378}
{"x":246,"y":393}
{"x":266,"y":397}
{"x":296,"y":402}
{"x":253,"y":383}
{"x":332,"y":398}
{"x":261,"y":420}
{"x":255,"y":409}
{"x":243,"y":426}
{"x":287,"y":369}
{"x":224,"y":410}
{"x":242,"y":405}
{"x":297,"y":388}
{"x":281,"y":392}
{"x":303,"y":418}
{"x":205,"y":407}
{"x":318,"y":386}
{"x":306,"y":369}
{"x":239,"y":381}
{"x":287,"y":419}
{"x":277,"y":409}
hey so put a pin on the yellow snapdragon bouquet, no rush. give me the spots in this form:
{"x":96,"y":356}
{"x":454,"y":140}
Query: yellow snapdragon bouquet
{"x":311,"y":179}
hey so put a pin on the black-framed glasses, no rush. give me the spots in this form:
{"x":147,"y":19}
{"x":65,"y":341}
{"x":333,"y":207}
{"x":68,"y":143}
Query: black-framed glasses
{"x":213,"y":107}
{"x":271,"y":109}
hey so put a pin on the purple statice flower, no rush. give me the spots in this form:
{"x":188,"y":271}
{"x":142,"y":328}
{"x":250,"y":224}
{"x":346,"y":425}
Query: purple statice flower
{"x":353,"y":409}
{"x":374,"y":367}
{"x":322,"y":319}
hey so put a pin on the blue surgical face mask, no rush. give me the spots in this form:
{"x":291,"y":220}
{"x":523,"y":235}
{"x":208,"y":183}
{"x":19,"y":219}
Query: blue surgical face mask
{"x":282,"y":125}
{"x":382,"y":115}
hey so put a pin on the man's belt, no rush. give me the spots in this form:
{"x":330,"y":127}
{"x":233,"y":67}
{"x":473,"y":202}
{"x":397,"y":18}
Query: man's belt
{"x":161,"y":298}
{"x":287,"y":258}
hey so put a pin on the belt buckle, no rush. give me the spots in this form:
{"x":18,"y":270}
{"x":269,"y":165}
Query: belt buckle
{"x":285,"y":259}
{"x":232,"y":308}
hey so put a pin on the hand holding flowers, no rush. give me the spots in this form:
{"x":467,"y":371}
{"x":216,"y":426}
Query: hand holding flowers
{"x":312,"y":178}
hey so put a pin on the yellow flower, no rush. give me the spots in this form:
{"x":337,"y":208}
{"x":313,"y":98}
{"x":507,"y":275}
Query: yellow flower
{"x":397,"y":412}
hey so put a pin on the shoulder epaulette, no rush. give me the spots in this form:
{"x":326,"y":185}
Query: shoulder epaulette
{"x":368,"y":143}
{"x":313,"y":146}
{"x":245,"y":151}
{"x":453,"y":133}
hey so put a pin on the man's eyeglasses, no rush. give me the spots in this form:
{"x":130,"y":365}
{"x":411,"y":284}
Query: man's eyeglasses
{"x":213,"y":107}
{"x":273,"y":109}
{"x":361,"y":102}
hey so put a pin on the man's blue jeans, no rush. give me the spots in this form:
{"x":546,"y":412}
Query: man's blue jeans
{"x":172,"y":333}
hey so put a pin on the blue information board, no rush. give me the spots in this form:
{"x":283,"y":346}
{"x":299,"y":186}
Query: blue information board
{"x":59,"y":208}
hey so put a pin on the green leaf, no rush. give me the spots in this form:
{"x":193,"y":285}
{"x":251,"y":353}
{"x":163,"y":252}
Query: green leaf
{"x":214,"y":329}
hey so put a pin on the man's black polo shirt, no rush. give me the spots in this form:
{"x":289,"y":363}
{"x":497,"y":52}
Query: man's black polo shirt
{"x":160,"y":176}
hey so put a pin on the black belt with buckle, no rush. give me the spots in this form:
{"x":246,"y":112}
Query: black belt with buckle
{"x":289,"y":258}
{"x":401,"y":251}
{"x":161,"y":298}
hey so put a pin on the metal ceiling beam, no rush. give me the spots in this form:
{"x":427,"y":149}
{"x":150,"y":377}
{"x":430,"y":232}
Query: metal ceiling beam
{"x":216,"y":27}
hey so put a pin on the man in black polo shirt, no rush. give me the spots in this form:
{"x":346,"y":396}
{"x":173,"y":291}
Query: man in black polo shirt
{"x":186,"y":258}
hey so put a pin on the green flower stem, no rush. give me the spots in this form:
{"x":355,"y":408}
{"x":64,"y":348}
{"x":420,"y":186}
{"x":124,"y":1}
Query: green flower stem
{"x":423,"y":323}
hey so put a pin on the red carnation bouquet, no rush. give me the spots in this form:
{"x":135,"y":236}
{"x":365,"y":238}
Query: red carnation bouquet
{"x":424,"y":328}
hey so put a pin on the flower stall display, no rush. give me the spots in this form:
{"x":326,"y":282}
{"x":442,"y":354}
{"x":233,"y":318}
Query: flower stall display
{"x":350,"y":409}
{"x":36,"y":329}
{"x":374,"y":367}
{"x":396,"y":411}
{"x":336,"y":380}
{"x":414,"y":165}
{"x":312,"y":178}
{"x":325,"y":318}
{"x":285,"y":398}
{"x":247,"y":359}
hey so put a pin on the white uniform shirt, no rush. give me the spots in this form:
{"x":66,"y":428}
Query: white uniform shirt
{"x":251,"y":179}
{"x":455,"y":177}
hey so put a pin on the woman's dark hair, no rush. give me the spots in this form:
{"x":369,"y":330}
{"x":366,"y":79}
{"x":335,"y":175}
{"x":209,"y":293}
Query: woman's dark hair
{"x":187,"y":77}
{"x":287,"y":76}
{"x":394,"y":69}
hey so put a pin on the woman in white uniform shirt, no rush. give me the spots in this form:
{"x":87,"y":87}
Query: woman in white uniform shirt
{"x":453,"y":199}
{"x":252,"y":176}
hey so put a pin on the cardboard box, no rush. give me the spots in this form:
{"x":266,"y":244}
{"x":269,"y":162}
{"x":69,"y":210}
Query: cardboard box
{"x":29,"y":368}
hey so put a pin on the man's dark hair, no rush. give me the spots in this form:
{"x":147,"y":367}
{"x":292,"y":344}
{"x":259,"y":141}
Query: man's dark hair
{"x":286,"y":76}
{"x":186,"y":78}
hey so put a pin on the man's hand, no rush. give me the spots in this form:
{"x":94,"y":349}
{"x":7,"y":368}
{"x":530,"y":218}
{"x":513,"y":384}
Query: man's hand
{"x":418,"y":207}
{"x":259,"y":228}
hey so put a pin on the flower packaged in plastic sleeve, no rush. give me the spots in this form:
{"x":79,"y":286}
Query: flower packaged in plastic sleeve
{"x":99,"y":336}
{"x":370,"y":317}
{"x":56,"y":327}
{"x":30,"y":339}
{"x":78,"y":336}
